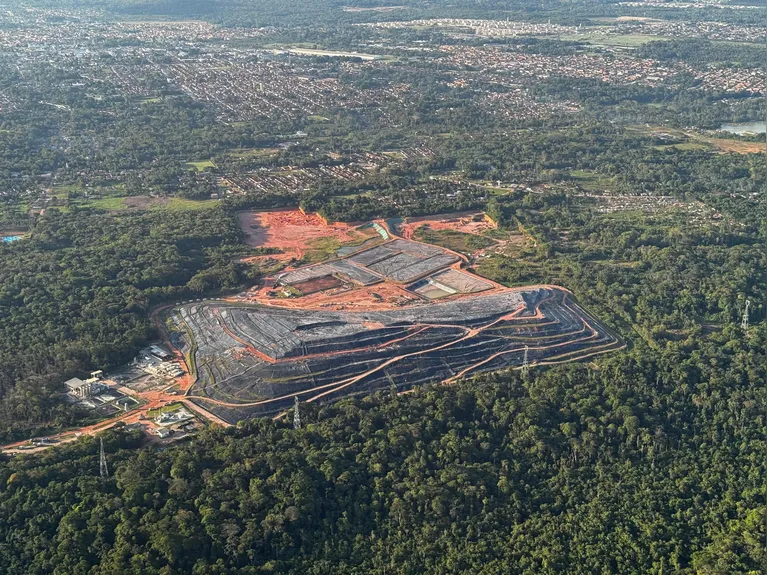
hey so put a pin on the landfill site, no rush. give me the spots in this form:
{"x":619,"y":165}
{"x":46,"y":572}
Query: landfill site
{"x":395,"y":315}
{"x":254,"y":360}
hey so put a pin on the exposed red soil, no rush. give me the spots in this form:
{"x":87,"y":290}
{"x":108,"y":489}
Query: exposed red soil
{"x":465,"y":222}
{"x":318,"y":284}
{"x":290,"y":230}
{"x":376,"y":297}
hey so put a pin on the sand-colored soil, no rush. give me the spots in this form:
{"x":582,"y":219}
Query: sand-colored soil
{"x":737,"y":146}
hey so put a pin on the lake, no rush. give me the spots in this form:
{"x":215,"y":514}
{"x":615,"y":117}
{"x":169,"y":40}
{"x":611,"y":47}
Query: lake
{"x":744,"y":128}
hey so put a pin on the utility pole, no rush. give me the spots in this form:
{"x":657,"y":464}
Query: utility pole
{"x":296,"y":415}
{"x":744,"y":321}
{"x":103,"y":469}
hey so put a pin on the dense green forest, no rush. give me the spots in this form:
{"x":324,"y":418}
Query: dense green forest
{"x":704,"y":52}
{"x":648,"y":460}
{"x":127,"y":149}
{"x":634,"y":466}
{"x":76,"y":294}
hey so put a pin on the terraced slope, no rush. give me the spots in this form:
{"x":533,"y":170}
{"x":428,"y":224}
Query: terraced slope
{"x":253,"y":360}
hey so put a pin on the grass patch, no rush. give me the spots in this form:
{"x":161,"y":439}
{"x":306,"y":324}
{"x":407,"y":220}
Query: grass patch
{"x":61,"y":190}
{"x":171,"y":407}
{"x":497,"y":234}
{"x":622,"y":40}
{"x":183,"y":204}
{"x":453,"y":240}
{"x":245,"y":153}
{"x":201,"y":165}
{"x":684,"y":146}
{"x":321,"y":249}
{"x":497,"y":191}
{"x":287,"y":291}
{"x":591,"y":180}
{"x":111,"y":203}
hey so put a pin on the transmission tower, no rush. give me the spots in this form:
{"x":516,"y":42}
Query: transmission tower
{"x":525,"y":362}
{"x":296,"y":415}
{"x":103,"y":469}
{"x":744,"y":322}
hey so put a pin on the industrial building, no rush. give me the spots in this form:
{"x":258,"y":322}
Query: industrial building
{"x":159,"y":352}
{"x":88,"y":388}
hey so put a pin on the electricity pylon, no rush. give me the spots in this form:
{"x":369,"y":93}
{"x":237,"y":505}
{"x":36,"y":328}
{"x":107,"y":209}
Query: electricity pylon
{"x":103,"y":469}
{"x":296,"y":415}
{"x":744,"y":321}
{"x":525,"y":362}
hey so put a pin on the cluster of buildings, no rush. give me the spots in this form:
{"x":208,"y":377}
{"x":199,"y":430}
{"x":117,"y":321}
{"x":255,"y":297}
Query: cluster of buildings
{"x":503,"y":66}
{"x":156,"y":361}
{"x":171,"y":421}
{"x":153,"y":360}
{"x":293,"y":179}
{"x":458,"y":27}
{"x":696,"y":213}
{"x":146,"y":59}
{"x":484,"y":28}
{"x":38,"y":28}
{"x":95,"y":393}
{"x":519,"y":104}
{"x":494,"y":64}
{"x":716,"y":79}
{"x":686,"y":5}
{"x":191,"y":31}
{"x":244,"y":85}
{"x":684,"y":29}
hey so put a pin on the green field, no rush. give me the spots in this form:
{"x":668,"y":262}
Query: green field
{"x":170,"y":408}
{"x":201,"y":165}
{"x":624,"y":40}
{"x":118,"y":203}
{"x":684,"y":146}
{"x":591,"y":180}
{"x":109,"y":203}
{"x":243,"y":153}
{"x":181,"y":204}
{"x":453,"y":240}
